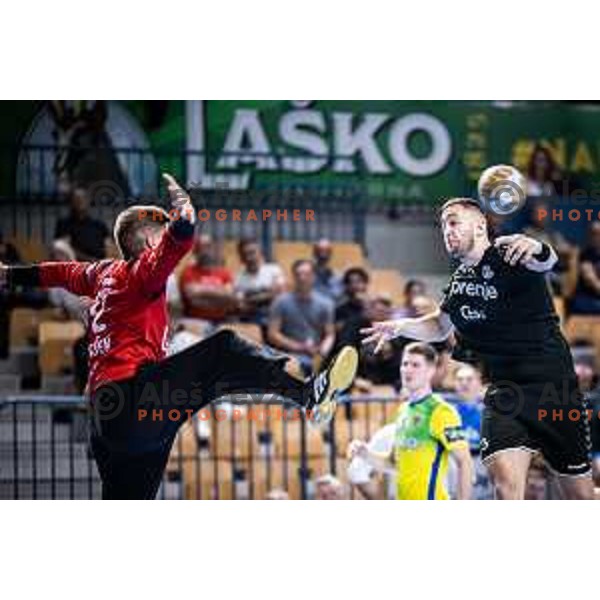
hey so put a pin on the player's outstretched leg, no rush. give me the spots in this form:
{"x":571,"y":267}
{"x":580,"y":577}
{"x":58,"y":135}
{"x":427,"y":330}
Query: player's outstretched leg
{"x":127,"y":431}
{"x":227,"y":363}
{"x":329,"y":383}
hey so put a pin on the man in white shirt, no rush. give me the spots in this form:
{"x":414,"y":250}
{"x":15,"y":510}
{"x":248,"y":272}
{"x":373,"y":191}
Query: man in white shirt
{"x":257,"y":283}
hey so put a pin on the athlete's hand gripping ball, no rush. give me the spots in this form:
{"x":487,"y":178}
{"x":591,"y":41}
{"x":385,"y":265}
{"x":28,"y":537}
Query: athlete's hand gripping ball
{"x":518,"y":248}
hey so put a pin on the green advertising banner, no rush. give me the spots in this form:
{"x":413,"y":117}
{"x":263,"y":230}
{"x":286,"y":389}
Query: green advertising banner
{"x":403,"y":151}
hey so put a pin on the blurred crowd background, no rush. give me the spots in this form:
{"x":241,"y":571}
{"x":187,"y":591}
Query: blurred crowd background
{"x":305,"y":291}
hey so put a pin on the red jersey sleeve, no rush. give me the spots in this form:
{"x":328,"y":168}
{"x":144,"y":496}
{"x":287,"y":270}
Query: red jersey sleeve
{"x":152,"y":269}
{"x":76,"y":277}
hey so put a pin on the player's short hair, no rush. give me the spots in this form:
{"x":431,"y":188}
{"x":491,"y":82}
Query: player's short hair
{"x":131,"y":220}
{"x":427,"y":351}
{"x":466,"y":202}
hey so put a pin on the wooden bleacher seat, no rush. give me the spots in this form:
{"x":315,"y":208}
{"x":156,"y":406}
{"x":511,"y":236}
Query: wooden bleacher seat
{"x":286,"y":253}
{"x":31,"y":250}
{"x":56,"y":346}
{"x":25,"y":323}
{"x":231,"y":258}
{"x":267,"y":475}
{"x":288,"y":439}
{"x":347,"y":254}
{"x":387,"y":282}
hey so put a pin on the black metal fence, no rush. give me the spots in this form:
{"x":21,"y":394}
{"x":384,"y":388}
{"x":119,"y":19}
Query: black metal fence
{"x":39,"y":200}
{"x":230,"y":450}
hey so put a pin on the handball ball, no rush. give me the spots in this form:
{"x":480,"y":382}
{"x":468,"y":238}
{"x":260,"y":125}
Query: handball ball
{"x":503,"y":189}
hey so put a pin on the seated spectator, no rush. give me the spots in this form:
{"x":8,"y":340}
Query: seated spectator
{"x":587,"y":379}
{"x":327,"y":282}
{"x":9,"y":299}
{"x":301,"y":322}
{"x":412,"y":289}
{"x":353,"y":304}
{"x":9,"y":255}
{"x":206,"y":288}
{"x":588,"y":384}
{"x":543,"y":175}
{"x":73,"y":307}
{"x":538,"y":228}
{"x":536,"y":487}
{"x":468,"y":401}
{"x":257,"y":283}
{"x":328,"y":487}
{"x":587,"y":295}
{"x":594,"y":405}
{"x":89,"y":237}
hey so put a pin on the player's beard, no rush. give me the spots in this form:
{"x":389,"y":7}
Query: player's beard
{"x":464,"y":247}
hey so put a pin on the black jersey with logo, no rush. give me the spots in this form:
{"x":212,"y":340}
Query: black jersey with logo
{"x":505,"y":321}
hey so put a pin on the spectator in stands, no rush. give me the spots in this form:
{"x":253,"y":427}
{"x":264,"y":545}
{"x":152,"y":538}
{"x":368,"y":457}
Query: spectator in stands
{"x":257,"y":283}
{"x":594,"y":405}
{"x":9,"y":299}
{"x":417,"y":304}
{"x":414,"y":288}
{"x":586,"y":377}
{"x":73,"y":307}
{"x":328,"y":487}
{"x":468,"y":401}
{"x":588,"y":382}
{"x":587,"y":295}
{"x":206,"y":288}
{"x":9,"y":255}
{"x":539,"y":229}
{"x":301,"y":322}
{"x":543,"y":175}
{"x":354,"y":301}
{"x":89,"y":237}
{"x":326,"y":280}
{"x":537,"y":484}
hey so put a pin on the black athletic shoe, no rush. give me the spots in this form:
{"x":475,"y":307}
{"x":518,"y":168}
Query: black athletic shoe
{"x":327,"y":385}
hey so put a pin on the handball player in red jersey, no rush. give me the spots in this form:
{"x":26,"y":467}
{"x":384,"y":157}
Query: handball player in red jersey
{"x":128,"y":334}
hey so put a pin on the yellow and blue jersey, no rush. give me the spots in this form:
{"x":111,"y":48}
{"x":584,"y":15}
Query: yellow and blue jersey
{"x":427,"y":430}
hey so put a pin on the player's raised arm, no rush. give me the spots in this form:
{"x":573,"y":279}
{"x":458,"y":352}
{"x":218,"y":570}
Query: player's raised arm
{"x":78,"y":278}
{"x":433,"y":327}
{"x":159,"y":259}
{"x":527,"y":251}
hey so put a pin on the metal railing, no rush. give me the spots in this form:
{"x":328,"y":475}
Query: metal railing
{"x":33,"y":211}
{"x":230,"y":450}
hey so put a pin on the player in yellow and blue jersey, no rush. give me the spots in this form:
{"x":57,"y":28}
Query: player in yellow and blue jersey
{"x":427,"y":432}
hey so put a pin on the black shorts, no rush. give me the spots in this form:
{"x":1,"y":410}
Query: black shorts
{"x":550,"y":417}
{"x":135,"y":421}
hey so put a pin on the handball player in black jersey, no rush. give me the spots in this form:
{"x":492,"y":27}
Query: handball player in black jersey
{"x":498,"y":305}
